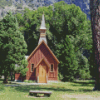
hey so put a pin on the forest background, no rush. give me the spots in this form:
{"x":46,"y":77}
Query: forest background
{"x":69,"y":36}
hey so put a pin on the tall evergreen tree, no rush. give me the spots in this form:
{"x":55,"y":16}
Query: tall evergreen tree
{"x":12,"y":45}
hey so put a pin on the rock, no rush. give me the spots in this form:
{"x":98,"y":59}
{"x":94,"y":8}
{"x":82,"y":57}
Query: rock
{"x":34,"y":4}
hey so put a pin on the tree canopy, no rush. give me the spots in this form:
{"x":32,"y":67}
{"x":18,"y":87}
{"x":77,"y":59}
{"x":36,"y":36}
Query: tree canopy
{"x":68,"y":34}
{"x":12,"y":45}
{"x":62,"y":20}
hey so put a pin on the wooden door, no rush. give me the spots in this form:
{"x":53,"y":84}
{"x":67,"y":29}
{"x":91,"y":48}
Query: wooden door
{"x":42,"y":74}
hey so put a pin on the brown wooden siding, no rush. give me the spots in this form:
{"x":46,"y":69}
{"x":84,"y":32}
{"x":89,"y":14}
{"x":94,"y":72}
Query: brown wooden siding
{"x":40,"y":53}
{"x":17,"y":76}
{"x":43,"y":52}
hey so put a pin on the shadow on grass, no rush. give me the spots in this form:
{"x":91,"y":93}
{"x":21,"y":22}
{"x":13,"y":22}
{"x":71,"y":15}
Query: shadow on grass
{"x":1,"y":80}
{"x":27,"y":88}
{"x":22,"y":88}
{"x":85,"y":90}
{"x":1,"y":85}
{"x":84,"y":83}
{"x":58,"y":89}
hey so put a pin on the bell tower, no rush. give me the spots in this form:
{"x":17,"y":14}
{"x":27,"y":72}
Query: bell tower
{"x":42,"y":31}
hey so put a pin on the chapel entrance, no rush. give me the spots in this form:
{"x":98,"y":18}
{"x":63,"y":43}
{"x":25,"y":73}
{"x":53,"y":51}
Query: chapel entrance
{"x":42,"y":73}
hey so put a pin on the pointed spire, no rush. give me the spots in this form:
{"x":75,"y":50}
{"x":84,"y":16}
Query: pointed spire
{"x":42,"y":31}
{"x":43,"y":22}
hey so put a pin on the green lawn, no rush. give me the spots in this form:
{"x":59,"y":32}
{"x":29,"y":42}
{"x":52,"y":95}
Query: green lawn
{"x":80,"y":90}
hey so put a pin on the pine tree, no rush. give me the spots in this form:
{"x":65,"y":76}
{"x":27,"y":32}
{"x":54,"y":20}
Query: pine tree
{"x":12,"y":45}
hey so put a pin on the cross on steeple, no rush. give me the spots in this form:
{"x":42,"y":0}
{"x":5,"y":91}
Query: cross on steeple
{"x":42,"y":31}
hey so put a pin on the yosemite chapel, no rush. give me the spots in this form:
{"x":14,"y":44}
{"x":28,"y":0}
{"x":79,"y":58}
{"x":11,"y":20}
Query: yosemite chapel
{"x":42,"y":63}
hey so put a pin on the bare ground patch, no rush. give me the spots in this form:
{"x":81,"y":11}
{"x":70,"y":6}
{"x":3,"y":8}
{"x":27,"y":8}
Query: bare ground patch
{"x":28,"y":96}
{"x":80,"y":97}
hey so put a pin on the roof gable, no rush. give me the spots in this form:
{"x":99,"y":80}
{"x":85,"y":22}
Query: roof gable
{"x":48,"y":50}
{"x":44,"y":61}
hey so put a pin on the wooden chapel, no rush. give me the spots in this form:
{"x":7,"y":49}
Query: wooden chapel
{"x":42,"y":63}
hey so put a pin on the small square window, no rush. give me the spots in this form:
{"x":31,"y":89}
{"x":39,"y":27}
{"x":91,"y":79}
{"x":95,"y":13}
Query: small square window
{"x":51,"y":67}
{"x":32,"y":67}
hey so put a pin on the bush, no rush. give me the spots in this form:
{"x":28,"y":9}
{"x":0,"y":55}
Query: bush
{"x":30,"y":81}
{"x":60,"y":76}
{"x":26,"y":81}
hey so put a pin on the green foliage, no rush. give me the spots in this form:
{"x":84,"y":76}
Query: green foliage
{"x":29,"y":81}
{"x":22,"y":68}
{"x":12,"y":45}
{"x":60,"y":76}
{"x":62,"y":21}
{"x":26,"y":81}
{"x":69,"y":63}
{"x":83,"y":71}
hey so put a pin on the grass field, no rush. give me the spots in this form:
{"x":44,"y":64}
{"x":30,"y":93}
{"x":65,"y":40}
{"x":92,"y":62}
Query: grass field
{"x":79,"y":90}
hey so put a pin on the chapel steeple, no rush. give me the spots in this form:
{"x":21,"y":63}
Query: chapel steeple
{"x":42,"y":31}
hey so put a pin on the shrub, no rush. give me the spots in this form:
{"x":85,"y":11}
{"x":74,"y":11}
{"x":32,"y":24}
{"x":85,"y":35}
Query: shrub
{"x":26,"y":81}
{"x":60,"y":76}
{"x":30,"y":81}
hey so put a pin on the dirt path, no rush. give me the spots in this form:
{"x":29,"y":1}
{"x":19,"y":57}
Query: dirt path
{"x":80,"y":97}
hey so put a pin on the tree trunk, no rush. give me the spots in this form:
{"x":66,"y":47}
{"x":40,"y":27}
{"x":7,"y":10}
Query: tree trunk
{"x":11,"y":74}
{"x":95,"y":23}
